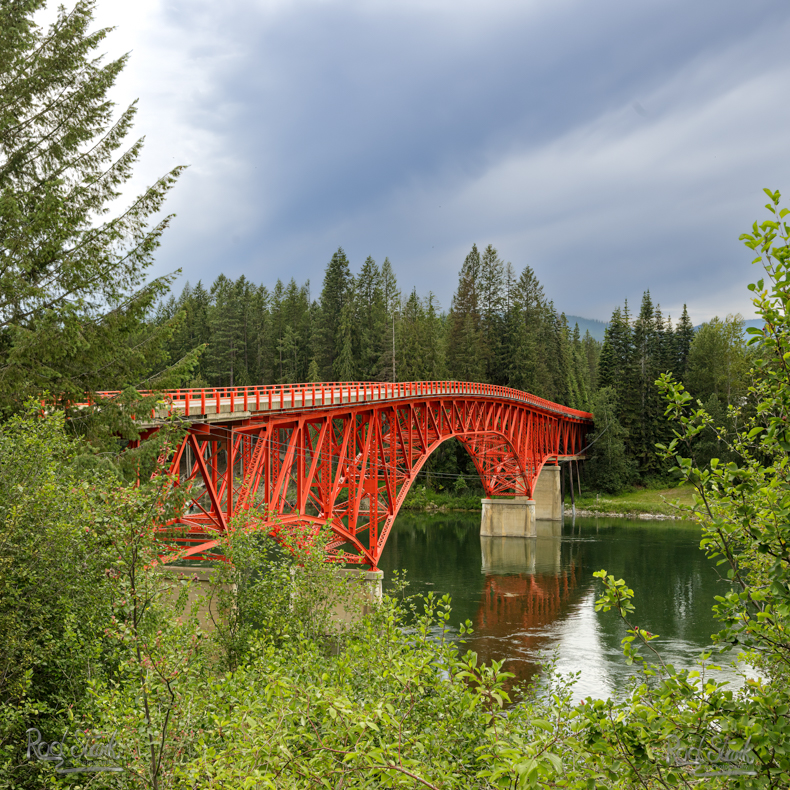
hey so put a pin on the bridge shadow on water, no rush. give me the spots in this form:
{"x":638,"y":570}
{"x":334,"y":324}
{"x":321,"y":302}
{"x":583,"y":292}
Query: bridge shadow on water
{"x":529,"y":597}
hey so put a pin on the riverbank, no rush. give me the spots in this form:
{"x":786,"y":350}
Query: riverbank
{"x":642,"y":503}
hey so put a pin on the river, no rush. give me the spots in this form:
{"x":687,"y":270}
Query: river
{"x":528,"y":598}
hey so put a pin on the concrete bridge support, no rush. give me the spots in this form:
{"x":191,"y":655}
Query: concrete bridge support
{"x":508,"y":518}
{"x":548,"y":494}
{"x":360,"y":592}
{"x":516,"y":517}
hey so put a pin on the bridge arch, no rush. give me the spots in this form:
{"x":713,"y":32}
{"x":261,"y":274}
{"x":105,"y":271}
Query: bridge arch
{"x":347,"y":454}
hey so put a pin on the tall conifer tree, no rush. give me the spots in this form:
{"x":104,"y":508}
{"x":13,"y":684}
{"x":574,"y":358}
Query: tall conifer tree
{"x":74,"y":302}
{"x":335,"y":294}
{"x":491,"y":290}
{"x":684,"y":336}
{"x":387,"y":369}
{"x":371,"y":309}
{"x":465,"y":359}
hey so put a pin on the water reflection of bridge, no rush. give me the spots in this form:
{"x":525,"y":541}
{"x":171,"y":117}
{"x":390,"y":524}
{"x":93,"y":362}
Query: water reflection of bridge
{"x":530,"y":584}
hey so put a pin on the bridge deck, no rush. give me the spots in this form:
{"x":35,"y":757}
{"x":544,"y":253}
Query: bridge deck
{"x":238,"y":403}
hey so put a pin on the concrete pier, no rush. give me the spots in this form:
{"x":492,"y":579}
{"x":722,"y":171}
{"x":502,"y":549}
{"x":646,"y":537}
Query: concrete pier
{"x":547,"y":494}
{"x":508,"y":518}
{"x":516,"y":517}
{"x":200,"y":591}
{"x":360,"y":592}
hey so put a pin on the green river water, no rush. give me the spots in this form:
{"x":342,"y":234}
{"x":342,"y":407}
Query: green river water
{"x":531,"y":597}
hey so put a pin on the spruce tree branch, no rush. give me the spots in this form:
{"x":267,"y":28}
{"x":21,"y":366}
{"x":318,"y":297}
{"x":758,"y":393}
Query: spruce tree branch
{"x":36,"y":147}
{"x":55,"y":29}
{"x":73,"y":164}
{"x":84,"y":285}
{"x":80,"y":78}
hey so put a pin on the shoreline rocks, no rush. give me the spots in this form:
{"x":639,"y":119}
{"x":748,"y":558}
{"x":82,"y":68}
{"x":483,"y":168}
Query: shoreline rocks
{"x":642,"y":516}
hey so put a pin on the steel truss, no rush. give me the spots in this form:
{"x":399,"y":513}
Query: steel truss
{"x":350,"y":465}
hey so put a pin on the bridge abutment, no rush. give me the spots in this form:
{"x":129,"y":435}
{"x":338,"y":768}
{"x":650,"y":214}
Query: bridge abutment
{"x":362,"y":590}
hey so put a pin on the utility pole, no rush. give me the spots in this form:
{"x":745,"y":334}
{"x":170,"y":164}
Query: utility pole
{"x":393,"y":345}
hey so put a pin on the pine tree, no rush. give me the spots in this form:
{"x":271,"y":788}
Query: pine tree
{"x":387,"y":366}
{"x":565,"y":389}
{"x":225,"y":354}
{"x":531,"y":332}
{"x":647,"y":351}
{"x":344,"y":366}
{"x":261,"y":373}
{"x":608,"y":467}
{"x":371,"y":310}
{"x":592,"y":353}
{"x":434,"y":335}
{"x":278,"y":323}
{"x":410,"y":340}
{"x":288,"y":350}
{"x":580,"y":370}
{"x":491,"y":290}
{"x":616,"y":370}
{"x":297,"y":318}
{"x":243,"y":291}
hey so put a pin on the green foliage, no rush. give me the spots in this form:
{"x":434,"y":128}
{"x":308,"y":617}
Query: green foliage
{"x":52,"y":599}
{"x":608,"y":468}
{"x":69,"y":534}
{"x":719,"y":362}
{"x":744,"y":509}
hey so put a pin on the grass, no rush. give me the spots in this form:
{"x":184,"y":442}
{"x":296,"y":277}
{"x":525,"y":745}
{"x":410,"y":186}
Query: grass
{"x":641,"y":500}
{"x":651,"y":501}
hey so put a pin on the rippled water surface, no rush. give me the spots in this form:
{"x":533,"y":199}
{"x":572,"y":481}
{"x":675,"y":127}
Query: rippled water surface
{"x":529,"y":596}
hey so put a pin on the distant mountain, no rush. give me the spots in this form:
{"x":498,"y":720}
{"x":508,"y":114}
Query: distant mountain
{"x":596,"y":328}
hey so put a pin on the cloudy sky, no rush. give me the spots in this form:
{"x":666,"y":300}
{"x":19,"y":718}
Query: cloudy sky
{"x":613,"y":146}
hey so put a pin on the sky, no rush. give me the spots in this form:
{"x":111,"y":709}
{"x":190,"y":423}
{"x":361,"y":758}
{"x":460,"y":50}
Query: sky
{"x":612,"y":146}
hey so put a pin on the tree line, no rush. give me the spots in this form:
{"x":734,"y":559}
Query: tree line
{"x":500,"y":329}
{"x":713,"y":362}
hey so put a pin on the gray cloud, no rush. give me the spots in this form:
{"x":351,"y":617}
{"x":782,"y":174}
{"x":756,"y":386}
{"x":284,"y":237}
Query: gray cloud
{"x":414,"y":129}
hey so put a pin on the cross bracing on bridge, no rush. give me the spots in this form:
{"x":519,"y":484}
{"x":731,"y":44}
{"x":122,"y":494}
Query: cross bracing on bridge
{"x":345,"y":454}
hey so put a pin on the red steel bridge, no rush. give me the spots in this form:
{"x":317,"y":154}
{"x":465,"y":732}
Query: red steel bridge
{"x":346,"y":454}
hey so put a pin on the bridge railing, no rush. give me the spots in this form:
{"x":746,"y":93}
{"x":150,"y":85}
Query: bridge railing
{"x":284,"y":397}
